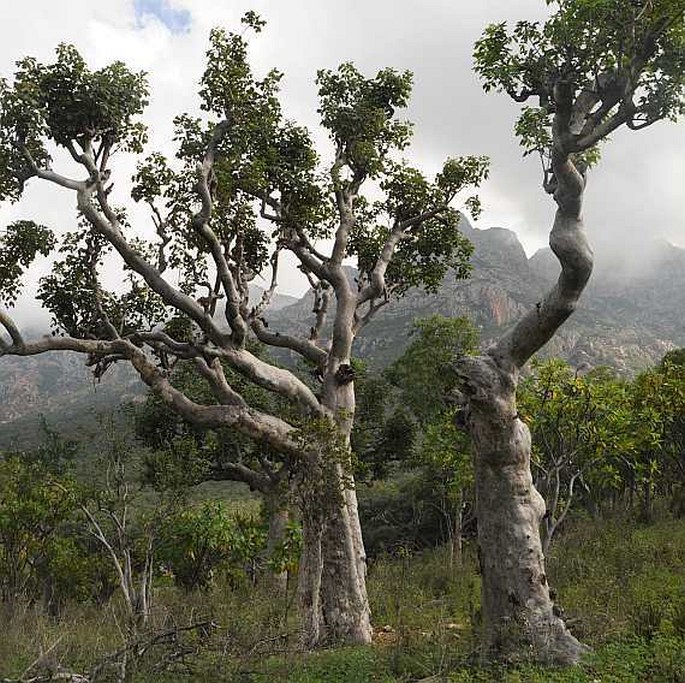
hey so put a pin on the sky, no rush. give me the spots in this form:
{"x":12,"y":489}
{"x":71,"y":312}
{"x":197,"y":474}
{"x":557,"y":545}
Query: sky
{"x":632,"y":198}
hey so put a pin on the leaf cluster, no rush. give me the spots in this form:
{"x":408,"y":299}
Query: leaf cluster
{"x":578,"y":422}
{"x":598,"y":64}
{"x":195,"y":544}
{"x":358,"y":113}
{"x":20,"y":244}
{"x":66,"y":103}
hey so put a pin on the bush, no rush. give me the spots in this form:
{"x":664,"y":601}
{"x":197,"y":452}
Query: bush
{"x":406,"y":513}
{"x":198,"y":543}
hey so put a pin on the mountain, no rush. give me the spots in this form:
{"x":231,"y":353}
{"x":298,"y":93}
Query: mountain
{"x":632,"y":312}
{"x":59,"y":388}
{"x":278,"y":301}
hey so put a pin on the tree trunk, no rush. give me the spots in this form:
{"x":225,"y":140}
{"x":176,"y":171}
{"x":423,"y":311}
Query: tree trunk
{"x":647,"y":501}
{"x":345,"y":604}
{"x":277,"y":512}
{"x":519,"y":617}
{"x":456,"y":551}
{"x":520,"y":620}
{"x":329,"y":501}
{"x":310,"y":570}
{"x":332,"y":586}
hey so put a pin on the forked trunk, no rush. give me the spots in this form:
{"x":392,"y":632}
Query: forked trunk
{"x":332,"y":586}
{"x":333,"y":596}
{"x":520,"y":620}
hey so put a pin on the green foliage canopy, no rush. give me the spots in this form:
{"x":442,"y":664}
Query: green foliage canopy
{"x":595,"y":65}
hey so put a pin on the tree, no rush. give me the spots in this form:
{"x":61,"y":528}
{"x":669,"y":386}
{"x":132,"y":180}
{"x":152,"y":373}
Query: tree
{"x":240,"y":161}
{"x":383,"y":432}
{"x":425,"y":375}
{"x":196,"y":542}
{"x":33,"y":512}
{"x":658,"y":410}
{"x":594,"y":66}
{"x":45,"y":553}
{"x":580,"y":428}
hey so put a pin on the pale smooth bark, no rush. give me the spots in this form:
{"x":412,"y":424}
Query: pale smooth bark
{"x":277,"y":507}
{"x":519,"y":616}
{"x":332,"y":586}
{"x":330,"y":515}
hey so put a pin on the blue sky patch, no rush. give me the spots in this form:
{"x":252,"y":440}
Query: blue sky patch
{"x":176,"y":20}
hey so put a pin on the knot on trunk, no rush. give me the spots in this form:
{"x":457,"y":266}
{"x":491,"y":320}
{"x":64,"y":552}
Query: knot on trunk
{"x":344,"y":374}
{"x":485,"y":383}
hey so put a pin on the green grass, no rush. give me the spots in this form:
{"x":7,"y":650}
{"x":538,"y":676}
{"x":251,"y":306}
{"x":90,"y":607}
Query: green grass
{"x":622,"y":587}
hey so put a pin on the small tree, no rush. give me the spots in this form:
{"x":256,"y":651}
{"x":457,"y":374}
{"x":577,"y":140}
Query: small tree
{"x":240,"y":160}
{"x":658,"y":412}
{"x":580,"y":428}
{"x":198,"y":542}
{"x":45,"y":553}
{"x":127,"y":539}
{"x":594,"y":66}
{"x":33,"y":512}
{"x":425,"y":375}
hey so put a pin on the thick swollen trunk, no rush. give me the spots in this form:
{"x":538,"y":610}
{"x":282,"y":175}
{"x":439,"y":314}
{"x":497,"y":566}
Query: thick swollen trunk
{"x":519,"y":616}
{"x":332,"y":586}
{"x":333,"y":596}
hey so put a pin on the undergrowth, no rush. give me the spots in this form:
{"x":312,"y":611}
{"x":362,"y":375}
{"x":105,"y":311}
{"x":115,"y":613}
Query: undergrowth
{"x":622,"y":587}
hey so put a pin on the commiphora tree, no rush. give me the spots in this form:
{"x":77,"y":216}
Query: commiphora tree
{"x":594,"y":66}
{"x":247,"y":186}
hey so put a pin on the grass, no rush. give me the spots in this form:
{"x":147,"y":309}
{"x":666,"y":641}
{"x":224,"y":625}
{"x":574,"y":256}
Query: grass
{"x":622,"y":587}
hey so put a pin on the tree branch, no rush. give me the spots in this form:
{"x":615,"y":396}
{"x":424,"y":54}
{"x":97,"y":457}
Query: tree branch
{"x":271,"y":377}
{"x":376,"y":286}
{"x":268,"y":294}
{"x":569,"y":244}
{"x":253,"y":423}
{"x":12,"y":329}
{"x":200,"y":223}
{"x":322,"y":298}
{"x":303,"y":347}
{"x":214,"y":374}
{"x":169,"y":294}
{"x":51,"y":176}
{"x":236,"y":471}
{"x":374,"y":306}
